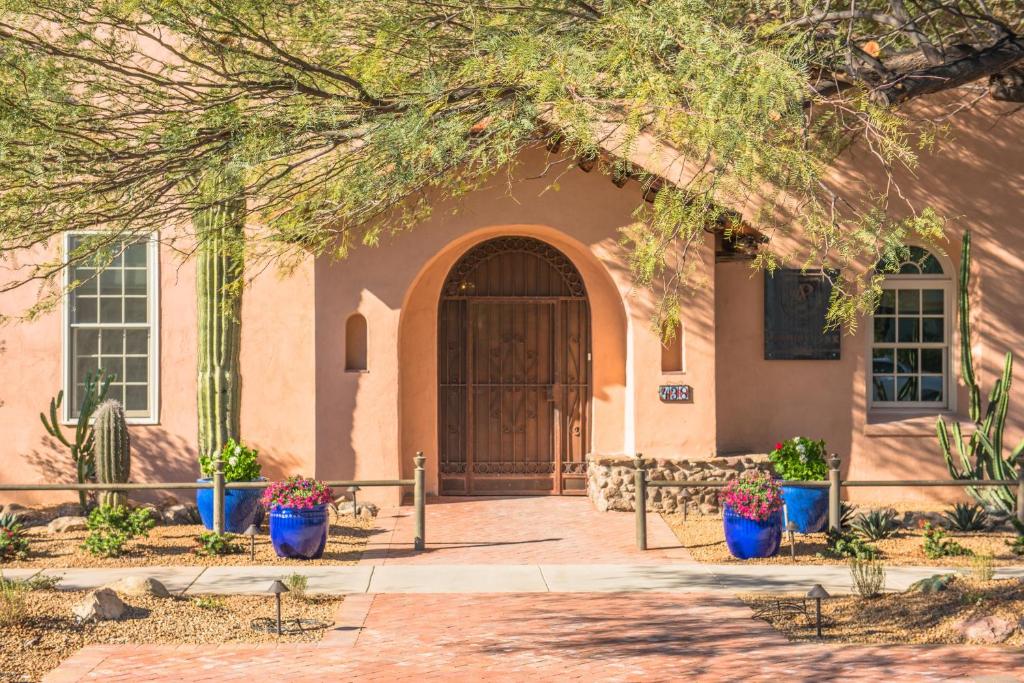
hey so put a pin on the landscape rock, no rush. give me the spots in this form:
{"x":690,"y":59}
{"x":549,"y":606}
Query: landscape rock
{"x":154,"y":513}
{"x":69,"y":510}
{"x":932,"y":584}
{"x":140,"y":585}
{"x":63,"y":525}
{"x":100,"y":605}
{"x":366,"y":510}
{"x":988,"y":630}
{"x":181,"y":514}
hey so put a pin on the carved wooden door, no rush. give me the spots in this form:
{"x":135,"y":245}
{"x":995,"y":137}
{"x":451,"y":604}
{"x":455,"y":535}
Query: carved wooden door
{"x":514,"y":372}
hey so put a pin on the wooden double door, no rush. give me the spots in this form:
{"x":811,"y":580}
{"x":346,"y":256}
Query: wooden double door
{"x":514,"y":373}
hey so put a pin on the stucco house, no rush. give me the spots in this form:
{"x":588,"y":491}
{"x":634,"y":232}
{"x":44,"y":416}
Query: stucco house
{"x":505,"y":339}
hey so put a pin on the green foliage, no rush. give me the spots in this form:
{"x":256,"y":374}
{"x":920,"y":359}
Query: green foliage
{"x":12,"y":601}
{"x":966,"y":517}
{"x":843,"y":544}
{"x":13,"y":539}
{"x":1017,"y":544}
{"x":111,"y":527}
{"x":82,"y":443}
{"x":876,"y":525}
{"x":983,"y":567}
{"x":113,"y":451}
{"x":211,"y":543}
{"x":800,"y":459}
{"x":240,"y":463}
{"x":937,"y":544}
{"x":868,"y":577}
{"x":297,"y":585}
{"x":981,"y":455}
{"x":847,"y":513}
{"x":208,"y":602}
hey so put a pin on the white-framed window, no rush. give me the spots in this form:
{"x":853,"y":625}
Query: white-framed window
{"x":910,"y":336}
{"x":111,"y":325}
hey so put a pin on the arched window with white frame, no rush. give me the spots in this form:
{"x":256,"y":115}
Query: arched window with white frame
{"x":911,"y":331}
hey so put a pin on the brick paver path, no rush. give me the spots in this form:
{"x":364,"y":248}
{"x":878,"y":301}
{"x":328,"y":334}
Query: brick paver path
{"x":515,"y":637}
{"x":531,"y":530}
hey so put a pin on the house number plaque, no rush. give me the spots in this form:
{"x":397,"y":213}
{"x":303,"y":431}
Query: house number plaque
{"x":676,"y":393}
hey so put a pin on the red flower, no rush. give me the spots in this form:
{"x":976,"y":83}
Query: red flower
{"x":778,"y":445}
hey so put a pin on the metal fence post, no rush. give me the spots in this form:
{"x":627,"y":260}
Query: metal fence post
{"x":834,"y":493}
{"x":640,"y":501}
{"x":218,"y":496}
{"x":419,"y":497}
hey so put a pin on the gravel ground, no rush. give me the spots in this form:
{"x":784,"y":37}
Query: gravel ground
{"x":704,"y":537}
{"x":176,"y":545}
{"x":48,"y":633}
{"x":902,"y":618}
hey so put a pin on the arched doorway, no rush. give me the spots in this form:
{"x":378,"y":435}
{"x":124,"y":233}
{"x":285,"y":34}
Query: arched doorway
{"x":514,"y":375}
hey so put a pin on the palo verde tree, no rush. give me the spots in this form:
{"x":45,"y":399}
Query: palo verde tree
{"x":341,"y":121}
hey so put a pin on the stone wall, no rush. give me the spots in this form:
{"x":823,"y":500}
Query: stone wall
{"x":610,"y":481}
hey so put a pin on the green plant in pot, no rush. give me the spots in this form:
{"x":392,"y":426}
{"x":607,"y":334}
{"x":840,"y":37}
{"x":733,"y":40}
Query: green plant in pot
{"x":241,"y":506}
{"x":802,"y":460}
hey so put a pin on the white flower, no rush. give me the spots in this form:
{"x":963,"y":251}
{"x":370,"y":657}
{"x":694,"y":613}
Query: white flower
{"x":238,"y":450}
{"x":233,"y":461}
{"x":803,"y":457}
{"x":801,"y":449}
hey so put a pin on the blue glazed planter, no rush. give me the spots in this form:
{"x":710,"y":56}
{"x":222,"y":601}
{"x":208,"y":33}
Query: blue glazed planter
{"x":240,"y":507}
{"x":299,"y":534}
{"x":748,"y":538}
{"x":808,"y":508}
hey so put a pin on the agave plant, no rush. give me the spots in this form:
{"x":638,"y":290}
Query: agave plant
{"x":847,"y":512}
{"x":876,"y":524}
{"x":966,"y":517}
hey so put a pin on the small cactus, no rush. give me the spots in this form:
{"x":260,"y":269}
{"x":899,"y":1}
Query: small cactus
{"x":113,"y":451}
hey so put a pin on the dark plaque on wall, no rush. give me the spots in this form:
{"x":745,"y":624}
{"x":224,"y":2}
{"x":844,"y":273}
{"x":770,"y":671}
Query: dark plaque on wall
{"x":795,"y":304}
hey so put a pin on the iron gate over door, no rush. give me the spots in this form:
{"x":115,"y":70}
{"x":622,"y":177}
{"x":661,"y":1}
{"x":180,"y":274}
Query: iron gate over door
{"x":513,"y":371}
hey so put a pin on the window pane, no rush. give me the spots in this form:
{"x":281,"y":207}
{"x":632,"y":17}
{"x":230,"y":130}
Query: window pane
{"x":116,"y":392}
{"x":931,"y":266}
{"x":135,"y":282}
{"x":882,"y":361}
{"x":135,"y":369}
{"x":110,"y":310}
{"x":909,"y":330}
{"x":906,"y":388}
{"x":113,"y":366}
{"x":909,"y":301}
{"x":933,"y":301}
{"x":135,"y":255}
{"x":135,"y":310}
{"x":887,"y":304}
{"x":85,"y":342}
{"x":83,"y":309}
{"x":885,"y":330}
{"x":83,"y":366}
{"x":112,"y":342}
{"x":931,"y":388}
{"x":110,"y":282}
{"x":906,"y":361}
{"x":136,"y":398}
{"x":884,"y":388}
{"x":910,"y":269}
{"x":136,"y":342}
{"x":932,"y":330}
{"x":931,"y":360}
{"x":86,"y":276}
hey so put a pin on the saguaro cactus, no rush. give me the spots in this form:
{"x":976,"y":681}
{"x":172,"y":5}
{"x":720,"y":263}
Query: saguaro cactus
{"x":219,"y":225}
{"x":981,"y":455}
{"x":113,"y":451}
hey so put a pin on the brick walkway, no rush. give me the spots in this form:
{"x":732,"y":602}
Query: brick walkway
{"x":605,"y":637}
{"x":533,"y":530}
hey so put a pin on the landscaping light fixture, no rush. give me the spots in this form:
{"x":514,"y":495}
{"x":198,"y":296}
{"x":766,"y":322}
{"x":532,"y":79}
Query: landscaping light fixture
{"x":818,"y":593}
{"x":252,"y":532}
{"x":276,"y":589}
{"x":352,"y":491}
{"x":685,"y":496}
{"x":791,"y":528}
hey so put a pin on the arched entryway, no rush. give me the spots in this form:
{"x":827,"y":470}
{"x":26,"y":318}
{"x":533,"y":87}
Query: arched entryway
{"x":514,"y":379}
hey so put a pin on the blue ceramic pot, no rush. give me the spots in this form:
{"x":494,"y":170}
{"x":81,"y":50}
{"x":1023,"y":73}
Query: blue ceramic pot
{"x":808,"y":508}
{"x":299,"y":534}
{"x":240,"y":507}
{"x":747,"y":538}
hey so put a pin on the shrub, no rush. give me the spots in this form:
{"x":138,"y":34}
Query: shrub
{"x":983,"y":568}
{"x":211,"y":543}
{"x":966,"y":517}
{"x":753,"y":495}
{"x":240,"y":463}
{"x":208,"y":602}
{"x":297,"y":585}
{"x":13,"y":541}
{"x":846,"y":544}
{"x":297,"y":493}
{"x":12,"y":601}
{"x":111,"y":527}
{"x":847,"y":512}
{"x":876,"y":524}
{"x":1017,"y":544}
{"x":937,"y":545}
{"x":868,"y":577}
{"x":800,"y":459}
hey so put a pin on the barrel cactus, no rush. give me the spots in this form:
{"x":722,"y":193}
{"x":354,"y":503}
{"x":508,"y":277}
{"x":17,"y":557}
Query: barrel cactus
{"x":113,"y":451}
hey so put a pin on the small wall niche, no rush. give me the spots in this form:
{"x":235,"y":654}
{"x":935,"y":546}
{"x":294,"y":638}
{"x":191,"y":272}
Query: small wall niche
{"x":355,"y":343}
{"x":673,"y":357}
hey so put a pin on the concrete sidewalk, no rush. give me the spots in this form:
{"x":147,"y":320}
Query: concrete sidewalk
{"x":492,"y":578}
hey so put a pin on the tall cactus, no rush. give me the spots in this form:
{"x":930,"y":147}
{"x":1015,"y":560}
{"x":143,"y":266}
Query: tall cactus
{"x":220,"y":223}
{"x":981,"y":455}
{"x":113,"y":451}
